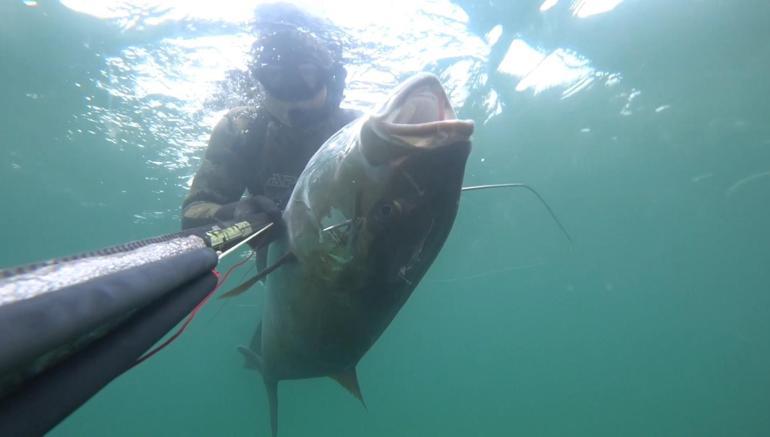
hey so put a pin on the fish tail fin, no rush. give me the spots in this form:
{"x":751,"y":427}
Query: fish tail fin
{"x":349,"y":380}
{"x":272,"y":398}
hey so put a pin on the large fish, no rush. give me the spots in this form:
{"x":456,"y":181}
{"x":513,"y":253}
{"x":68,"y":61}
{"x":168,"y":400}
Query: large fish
{"x":365,"y":221}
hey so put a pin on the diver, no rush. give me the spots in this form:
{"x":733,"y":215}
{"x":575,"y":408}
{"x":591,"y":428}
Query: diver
{"x":50,"y":364}
{"x":261,"y":149}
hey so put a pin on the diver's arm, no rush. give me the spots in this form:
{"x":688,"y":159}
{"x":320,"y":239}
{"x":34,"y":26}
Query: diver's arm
{"x":218,"y":184}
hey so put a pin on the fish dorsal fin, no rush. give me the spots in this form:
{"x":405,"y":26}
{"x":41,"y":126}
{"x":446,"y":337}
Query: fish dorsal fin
{"x":349,"y":380}
{"x":288,"y":256}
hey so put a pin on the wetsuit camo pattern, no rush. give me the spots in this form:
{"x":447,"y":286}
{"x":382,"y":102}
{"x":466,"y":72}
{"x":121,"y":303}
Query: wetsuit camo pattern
{"x":249,"y":151}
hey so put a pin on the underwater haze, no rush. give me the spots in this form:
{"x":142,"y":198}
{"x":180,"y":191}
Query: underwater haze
{"x":644,"y":123}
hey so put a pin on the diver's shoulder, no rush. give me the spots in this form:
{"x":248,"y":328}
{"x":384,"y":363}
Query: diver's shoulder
{"x":237,"y":129}
{"x":245,"y":114}
{"x":243,"y":119}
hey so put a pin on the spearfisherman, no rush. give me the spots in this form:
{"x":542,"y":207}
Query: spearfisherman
{"x":260,"y":150}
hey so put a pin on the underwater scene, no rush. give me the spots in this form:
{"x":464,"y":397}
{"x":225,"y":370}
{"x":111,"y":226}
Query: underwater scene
{"x":625,"y":291}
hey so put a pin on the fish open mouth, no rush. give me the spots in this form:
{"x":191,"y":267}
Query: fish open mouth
{"x":419,"y":114}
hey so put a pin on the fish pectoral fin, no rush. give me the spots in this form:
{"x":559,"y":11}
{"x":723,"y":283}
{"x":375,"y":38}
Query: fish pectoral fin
{"x":252,"y":359}
{"x":243,"y":287}
{"x":349,"y":380}
{"x":288,"y":256}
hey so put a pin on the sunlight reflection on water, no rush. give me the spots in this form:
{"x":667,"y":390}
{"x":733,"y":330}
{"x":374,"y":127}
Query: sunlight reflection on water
{"x":160,"y":88}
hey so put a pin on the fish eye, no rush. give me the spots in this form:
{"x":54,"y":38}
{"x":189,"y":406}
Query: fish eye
{"x":387,"y":210}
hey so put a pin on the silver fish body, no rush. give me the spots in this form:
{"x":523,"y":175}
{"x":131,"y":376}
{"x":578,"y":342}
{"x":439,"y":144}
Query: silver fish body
{"x":366,"y":219}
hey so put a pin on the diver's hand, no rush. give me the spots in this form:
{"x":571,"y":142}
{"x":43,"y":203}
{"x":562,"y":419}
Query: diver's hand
{"x":257,"y":205}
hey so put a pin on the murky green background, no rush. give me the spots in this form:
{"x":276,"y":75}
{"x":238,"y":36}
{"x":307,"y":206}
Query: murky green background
{"x":645,"y":127}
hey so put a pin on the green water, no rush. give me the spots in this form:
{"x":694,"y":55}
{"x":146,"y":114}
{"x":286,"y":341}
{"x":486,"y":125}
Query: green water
{"x":655,"y":322}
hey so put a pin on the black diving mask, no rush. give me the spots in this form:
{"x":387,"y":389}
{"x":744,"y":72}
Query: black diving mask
{"x":292,"y":83}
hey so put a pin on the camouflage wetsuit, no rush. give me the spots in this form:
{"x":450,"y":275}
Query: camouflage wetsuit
{"x":250,"y":150}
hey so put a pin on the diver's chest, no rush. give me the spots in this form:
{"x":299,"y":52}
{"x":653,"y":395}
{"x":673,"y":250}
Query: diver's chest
{"x":277,"y":167}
